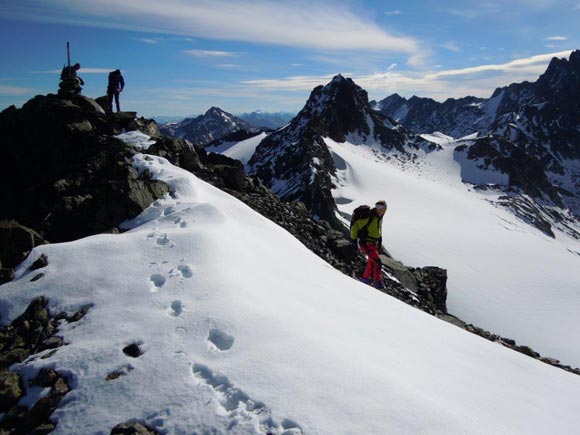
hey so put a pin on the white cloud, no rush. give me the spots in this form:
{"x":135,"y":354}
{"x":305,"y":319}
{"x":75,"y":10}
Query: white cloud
{"x":478,"y":81}
{"x":228,"y":66}
{"x":451,"y":46}
{"x":148,"y":41}
{"x":315,"y":24}
{"x":395,"y":12}
{"x":81,"y":71}
{"x":209,"y":53}
{"x":14,"y":91}
{"x":557,"y":38}
{"x":532,"y":64}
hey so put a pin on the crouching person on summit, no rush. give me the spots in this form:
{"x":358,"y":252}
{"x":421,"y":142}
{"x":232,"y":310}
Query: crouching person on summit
{"x":366,"y":228}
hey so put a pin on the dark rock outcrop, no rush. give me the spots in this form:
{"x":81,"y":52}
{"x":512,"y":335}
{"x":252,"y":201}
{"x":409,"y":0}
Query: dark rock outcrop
{"x":133,"y":429}
{"x":65,"y":175}
{"x":29,"y":334}
{"x":16,"y":242}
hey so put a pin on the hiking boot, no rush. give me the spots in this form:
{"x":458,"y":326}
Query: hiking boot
{"x":378,"y":284}
{"x":365,"y":280}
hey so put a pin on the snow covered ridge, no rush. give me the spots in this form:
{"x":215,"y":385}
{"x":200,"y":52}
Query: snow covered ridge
{"x":195,"y":285}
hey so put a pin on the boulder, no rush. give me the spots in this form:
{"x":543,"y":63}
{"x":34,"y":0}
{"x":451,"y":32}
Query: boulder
{"x":178,"y":151}
{"x":16,"y":241}
{"x":11,"y":390}
{"x":133,"y":429}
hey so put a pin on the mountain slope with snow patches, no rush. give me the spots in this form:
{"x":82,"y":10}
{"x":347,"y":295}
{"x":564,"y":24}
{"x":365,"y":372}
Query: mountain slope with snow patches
{"x":503,"y":274}
{"x":245,"y":331}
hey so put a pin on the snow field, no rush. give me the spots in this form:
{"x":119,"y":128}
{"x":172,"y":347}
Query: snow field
{"x":245,"y":331}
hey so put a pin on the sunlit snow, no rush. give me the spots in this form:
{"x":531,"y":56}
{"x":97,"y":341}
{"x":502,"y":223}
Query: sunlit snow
{"x":245,"y":331}
{"x":504,"y":275}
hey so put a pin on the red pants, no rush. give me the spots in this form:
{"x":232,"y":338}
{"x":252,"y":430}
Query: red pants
{"x":373,"y":260}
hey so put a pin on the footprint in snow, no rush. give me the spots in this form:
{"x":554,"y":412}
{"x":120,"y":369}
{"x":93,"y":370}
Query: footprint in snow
{"x":186,"y":270}
{"x":158,"y":281}
{"x":176,"y":308}
{"x":239,"y":408}
{"x":163,"y":240}
{"x":221,"y":340}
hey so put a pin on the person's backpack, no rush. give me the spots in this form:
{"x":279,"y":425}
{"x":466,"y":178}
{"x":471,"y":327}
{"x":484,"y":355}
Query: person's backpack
{"x":361,"y":212}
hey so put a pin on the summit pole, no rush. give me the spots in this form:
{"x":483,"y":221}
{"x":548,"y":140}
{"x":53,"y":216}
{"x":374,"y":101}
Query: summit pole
{"x":68,"y":57}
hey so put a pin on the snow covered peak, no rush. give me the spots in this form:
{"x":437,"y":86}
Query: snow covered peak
{"x":209,"y":127}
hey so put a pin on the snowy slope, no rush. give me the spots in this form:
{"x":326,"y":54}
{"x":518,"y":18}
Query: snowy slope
{"x":242,"y":150}
{"x":245,"y":331}
{"x":504,"y":275}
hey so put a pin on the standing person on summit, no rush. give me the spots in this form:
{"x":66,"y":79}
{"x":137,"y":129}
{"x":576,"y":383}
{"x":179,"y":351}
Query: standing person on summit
{"x":114,"y":88}
{"x":366,"y":228}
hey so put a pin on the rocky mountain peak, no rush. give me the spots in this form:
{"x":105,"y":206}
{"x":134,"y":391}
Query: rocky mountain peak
{"x":338,"y":109}
{"x":214,"y":125}
{"x":295,"y":161}
{"x":562,"y":78}
{"x":216,"y":112}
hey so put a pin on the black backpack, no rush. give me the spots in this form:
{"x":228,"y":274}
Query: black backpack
{"x":361,"y":212}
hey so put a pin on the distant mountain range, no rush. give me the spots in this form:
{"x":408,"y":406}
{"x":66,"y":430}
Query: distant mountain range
{"x":530,"y":132}
{"x":216,"y":123}
{"x":269,"y":120}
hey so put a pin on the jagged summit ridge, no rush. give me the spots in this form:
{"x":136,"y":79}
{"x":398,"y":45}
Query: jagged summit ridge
{"x":295,"y":162}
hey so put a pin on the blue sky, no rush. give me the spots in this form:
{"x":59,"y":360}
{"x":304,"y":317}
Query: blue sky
{"x":180,"y":57}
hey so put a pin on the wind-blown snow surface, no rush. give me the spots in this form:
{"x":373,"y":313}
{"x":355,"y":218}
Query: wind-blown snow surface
{"x":504,"y":275}
{"x":242,"y":150}
{"x":245,"y":331}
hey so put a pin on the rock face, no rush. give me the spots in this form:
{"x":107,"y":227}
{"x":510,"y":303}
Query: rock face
{"x":65,"y":175}
{"x":454,"y":117}
{"x":295,"y":163}
{"x":207,"y":128}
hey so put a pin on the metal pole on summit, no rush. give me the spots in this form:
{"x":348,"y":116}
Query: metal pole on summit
{"x":68,"y":57}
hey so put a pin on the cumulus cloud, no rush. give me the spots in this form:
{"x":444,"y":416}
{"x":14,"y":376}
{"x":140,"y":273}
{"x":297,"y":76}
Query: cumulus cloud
{"x":318,"y":24}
